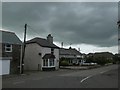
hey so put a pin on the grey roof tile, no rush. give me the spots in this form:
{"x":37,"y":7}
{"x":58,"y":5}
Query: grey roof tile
{"x":42,"y":42}
{"x":9,"y":37}
{"x":48,"y":56}
{"x":69,"y":52}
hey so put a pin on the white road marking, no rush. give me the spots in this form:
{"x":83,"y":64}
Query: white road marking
{"x":91,"y":76}
{"x":19,"y":82}
{"x":86,"y":78}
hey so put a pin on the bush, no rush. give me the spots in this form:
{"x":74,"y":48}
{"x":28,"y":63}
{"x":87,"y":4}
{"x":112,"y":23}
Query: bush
{"x":116,"y":59}
{"x":64,"y":63}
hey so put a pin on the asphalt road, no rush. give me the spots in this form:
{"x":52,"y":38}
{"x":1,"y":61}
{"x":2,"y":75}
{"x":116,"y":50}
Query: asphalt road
{"x":103,"y":77}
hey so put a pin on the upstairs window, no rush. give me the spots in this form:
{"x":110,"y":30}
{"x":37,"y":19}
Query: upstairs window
{"x":8,"y":48}
{"x":52,"y":51}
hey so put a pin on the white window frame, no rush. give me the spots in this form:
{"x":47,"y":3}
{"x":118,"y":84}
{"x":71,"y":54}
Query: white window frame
{"x":48,"y":61}
{"x":8,"y":48}
{"x":53,"y":62}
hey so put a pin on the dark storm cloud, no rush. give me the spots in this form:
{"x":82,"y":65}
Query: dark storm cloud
{"x":76,"y":23}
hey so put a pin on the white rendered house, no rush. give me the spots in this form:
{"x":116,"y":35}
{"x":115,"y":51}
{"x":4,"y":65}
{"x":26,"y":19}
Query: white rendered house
{"x":41,"y":54}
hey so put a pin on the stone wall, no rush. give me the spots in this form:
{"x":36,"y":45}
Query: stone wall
{"x":15,"y":54}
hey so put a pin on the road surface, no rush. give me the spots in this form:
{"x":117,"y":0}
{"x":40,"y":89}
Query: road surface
{"x":103,"y":77}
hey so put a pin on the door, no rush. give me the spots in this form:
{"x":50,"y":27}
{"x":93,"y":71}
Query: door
{"x":4,"y":67}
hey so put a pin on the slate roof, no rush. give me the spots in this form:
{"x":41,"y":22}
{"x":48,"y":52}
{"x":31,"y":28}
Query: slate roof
{"x":48,"y":56}
{"x":69,"y":52}
{"x":105,"y":54}
{"x":9,"y":37}
{"x":101,"y":54}
{"x":42,"y":42}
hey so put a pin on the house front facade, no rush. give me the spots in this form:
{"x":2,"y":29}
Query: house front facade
{"x":71,"y":55}
{"x":41,"y":54}
{"x":10,"y":52}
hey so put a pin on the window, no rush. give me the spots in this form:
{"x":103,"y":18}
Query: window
{"x":48,"y":62}
{"x":52,"y":51}
{"x":8,"y":48}
{"x":45,"y":62}
{"x":51,"y":62}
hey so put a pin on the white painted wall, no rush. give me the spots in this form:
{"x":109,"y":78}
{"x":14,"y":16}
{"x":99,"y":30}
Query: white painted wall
{"x":56,"y":53}
{"x":45,"y":50}
{"x":5,"y":69}
{"x":32,"y":57}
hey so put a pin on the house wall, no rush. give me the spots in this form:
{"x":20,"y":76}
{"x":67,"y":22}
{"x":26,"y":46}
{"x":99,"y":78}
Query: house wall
{"x":67,"y":56}
{"x":71,"y":59}
{"x":57,"y":58}
{"x":15,"y":62}
{"x":33,"y":61}
{"x":13,"y":56}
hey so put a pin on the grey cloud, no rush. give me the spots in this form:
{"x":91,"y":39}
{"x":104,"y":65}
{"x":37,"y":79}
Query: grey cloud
{"x":90,"y":23}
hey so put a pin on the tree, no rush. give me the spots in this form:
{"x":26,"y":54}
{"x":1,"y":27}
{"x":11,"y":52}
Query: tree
{"x":64,"y":62}
{"x":89,"y":59}
{"x":116,"y":59}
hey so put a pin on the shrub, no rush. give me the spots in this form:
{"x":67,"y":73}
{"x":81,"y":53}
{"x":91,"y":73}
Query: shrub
{"x":64,"y":63}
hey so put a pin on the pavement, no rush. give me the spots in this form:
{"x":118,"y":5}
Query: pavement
{"x":62,"y":68}
{"x":79,"y":67}
{"x":103,"y":77}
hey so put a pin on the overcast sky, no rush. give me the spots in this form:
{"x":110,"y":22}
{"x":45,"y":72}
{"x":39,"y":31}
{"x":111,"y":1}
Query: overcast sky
{"x":90,"y":26}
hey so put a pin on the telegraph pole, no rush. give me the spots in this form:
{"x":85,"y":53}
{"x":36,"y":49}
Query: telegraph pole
{"x":23,"y":50}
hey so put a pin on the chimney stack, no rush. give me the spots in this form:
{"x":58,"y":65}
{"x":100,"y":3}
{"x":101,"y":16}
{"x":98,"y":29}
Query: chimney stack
{"x":62,"y":45}
{"x":50,"y":38}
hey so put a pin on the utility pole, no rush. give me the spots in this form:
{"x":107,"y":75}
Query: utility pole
{"x":23,"y":50}
{"x":79,"y":49}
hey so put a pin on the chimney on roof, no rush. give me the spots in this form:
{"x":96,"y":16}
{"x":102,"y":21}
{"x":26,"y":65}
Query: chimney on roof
{"x":50,"y":38}
{"x":70,"y":47}
{"x":62,"y":45}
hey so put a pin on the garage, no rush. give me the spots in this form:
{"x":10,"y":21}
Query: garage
{"x":4,"y":67}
